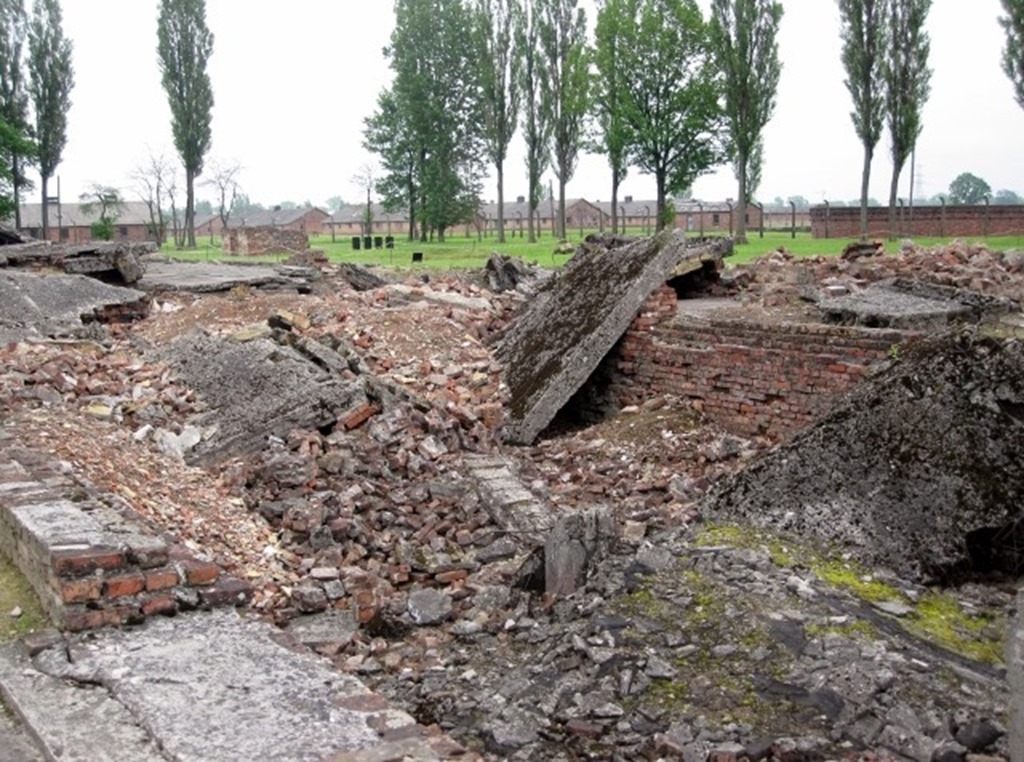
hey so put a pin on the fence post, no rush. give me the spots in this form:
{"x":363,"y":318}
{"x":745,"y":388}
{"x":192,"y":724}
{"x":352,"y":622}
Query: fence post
{"x":792,"y":205}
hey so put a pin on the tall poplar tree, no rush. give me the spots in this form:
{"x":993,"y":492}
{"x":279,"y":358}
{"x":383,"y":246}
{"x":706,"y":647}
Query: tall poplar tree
{"x":499,"y":25}
{"x":1013,"y":53}
{"x":607,"y":93}
{"x":563,"y":34}
{"x":744,"y":34}
{"x":907,"y":85}
{"x":864,"y":31}
{"x":51,"y":78}
{"x":537,"y":125}
{"x":184,"y":47}
{"x":671,"y":96}
{"x":13,"y":95}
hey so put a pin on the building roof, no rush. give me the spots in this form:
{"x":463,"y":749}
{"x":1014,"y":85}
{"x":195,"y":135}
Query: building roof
{"x":271,"y":217}
{"x":83,"y":215}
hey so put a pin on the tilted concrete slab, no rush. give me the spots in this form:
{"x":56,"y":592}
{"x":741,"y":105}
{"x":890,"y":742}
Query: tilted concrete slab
{"x":201,"y":687}
{"x":38,"y":305}
{"x":560,"y":339}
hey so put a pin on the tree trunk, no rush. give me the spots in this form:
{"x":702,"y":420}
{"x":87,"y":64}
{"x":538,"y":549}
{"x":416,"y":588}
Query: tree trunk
{"x":741,"y":199}
{"x":533,"y":211}
{"x":894,"y":187}
{"x":500,"y":166}
{"x":659,"y":209}
{"x":16,"y":189}
{"x":561,"y":208}
{"x":190,"y":207}
{"x":865,"y":180}
{"x":615,"y":201}
{"x":44,"y":182}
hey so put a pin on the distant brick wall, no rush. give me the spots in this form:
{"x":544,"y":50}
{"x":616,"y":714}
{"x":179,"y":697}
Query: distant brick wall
{"x":751,"y":378}
{"x":936,"y":221}
{"x":250,"y":242}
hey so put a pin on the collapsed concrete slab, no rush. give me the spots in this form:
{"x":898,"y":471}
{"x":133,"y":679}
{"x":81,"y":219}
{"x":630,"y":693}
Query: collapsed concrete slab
{"x":906,"y":303}
{"x":47,"y":306}
{"x":919,"y":470}
{"x":104,"y":259}
{"x":256,"y":389}
{"x":209,"y":277}
{"x":561,"y":337}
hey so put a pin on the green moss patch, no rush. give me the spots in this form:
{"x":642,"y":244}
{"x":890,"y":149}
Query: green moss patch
{"x":15,"y":592}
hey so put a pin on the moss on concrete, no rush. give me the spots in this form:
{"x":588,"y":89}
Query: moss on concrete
{"x":15,"y":593}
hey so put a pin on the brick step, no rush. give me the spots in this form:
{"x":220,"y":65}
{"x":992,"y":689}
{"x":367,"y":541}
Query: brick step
{"x":92,"y":560}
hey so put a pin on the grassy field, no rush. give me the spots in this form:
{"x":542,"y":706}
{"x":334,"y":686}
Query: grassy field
{"x":15,"y":593}
{"x":460,"y":252}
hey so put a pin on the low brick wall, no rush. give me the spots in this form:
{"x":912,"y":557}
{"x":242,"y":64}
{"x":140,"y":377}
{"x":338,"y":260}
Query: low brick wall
{"x":949,"y":222}
{"x":751,"y":378}
{"x":254,"y":241}
{"x":93,"y":562}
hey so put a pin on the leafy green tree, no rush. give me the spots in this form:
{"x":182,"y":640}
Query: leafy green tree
{"x":51,"y":78}
{"x":12,"y":143}
{"x":107,"y":202}
{"x":968,"y":189}
{"x":1007,"y":196}
{"x":744,"y":35}
{"x":864,"y":31}
{"x":499,"y":25}
{"x":388,"y":134}
{"x":907,"y":85}
{"x":537,"y":123}
{"x":563,"y":41}
{"x":436,"y":152}
{"x":184,"y":47}
{"x":1013,"y":53}
{"x":13,"y":95}
{"x":671,"y":96}
{"x":607,"y":94}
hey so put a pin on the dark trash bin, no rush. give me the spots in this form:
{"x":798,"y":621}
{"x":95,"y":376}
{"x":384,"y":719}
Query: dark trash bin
{"x":417,"y":256}
{"x":389,"y":242}
{"x":355,"y":243}
{"x":367,"y":242}
{"x":378,"y":242}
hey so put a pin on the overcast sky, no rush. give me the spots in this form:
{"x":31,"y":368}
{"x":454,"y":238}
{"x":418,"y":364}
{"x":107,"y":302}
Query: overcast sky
{"x":293,"y":81}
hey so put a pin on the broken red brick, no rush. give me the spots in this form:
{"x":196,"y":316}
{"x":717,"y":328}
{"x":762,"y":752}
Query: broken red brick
{"x":159,"y":604}
{"x":359,"y":416}
{"x":79,"y":562}
{"x":451,"y":576}
{"x":227,"y":591}
{"x":161,"y":579}
{"x":199,"y":572}
{"x":124,"y":585}
{"x":80,"y":590}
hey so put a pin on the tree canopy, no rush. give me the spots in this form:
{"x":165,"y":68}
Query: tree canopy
{"x":537,"y":124}
{"x":744,"y":34}
{"x":12,"y":143}
{"x":51,"y":79}
{"x":184,"y":47}
{"x":968,"y":189}
{"x":563,"y":42}
{"x":907,"y":85}
{"x":14,"y":95}
{"x":1013,"y":53}
{"x":671,"y":96}
{"x":613,"y":136}
{"x":864,"y":25}
{"x":498,"y":29}
{"x":427,"y":128}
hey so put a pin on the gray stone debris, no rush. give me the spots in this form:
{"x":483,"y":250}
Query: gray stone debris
{"x":558,"y":341}
{"x":359,"y":277}
{"x":575,"y":544}
{"x":41,"y":306}
{"x":920,"y":469}
{"x":1015,"y":662}
{"x":505,"y":273}
{"x":205,"y":277}
{"x":428,"y":606}
{"x":274,"y":389}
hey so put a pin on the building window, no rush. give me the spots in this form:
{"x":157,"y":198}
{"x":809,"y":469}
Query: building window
{"x":65,"y":233}
{"x":122,"y":230}
{"x":746,"y":218}
{"x":715,"y":219}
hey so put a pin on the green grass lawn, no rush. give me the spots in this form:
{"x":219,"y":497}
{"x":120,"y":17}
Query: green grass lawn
{"x":460,"y":252}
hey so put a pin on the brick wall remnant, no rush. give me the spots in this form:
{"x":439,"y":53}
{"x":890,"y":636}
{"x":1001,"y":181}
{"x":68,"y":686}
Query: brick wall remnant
{"x":924,"y":221}
{"x":256,"y":241}
{"x":752,"y":378}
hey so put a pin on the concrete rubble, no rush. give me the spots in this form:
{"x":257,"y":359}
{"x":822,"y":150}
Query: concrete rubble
{"x":562,"y":335}
{"x":341,"y":451}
